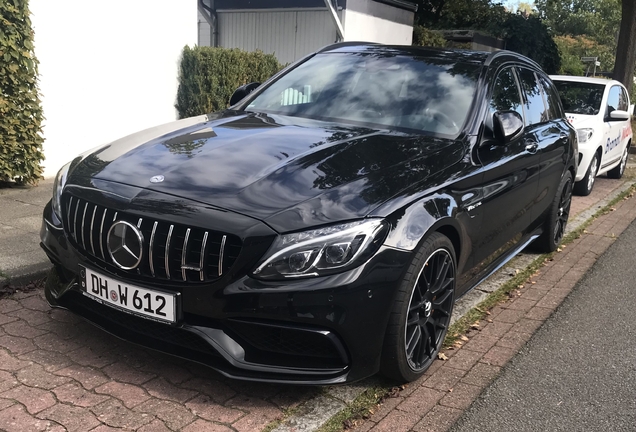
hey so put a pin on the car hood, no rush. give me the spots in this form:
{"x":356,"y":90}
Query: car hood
{"x":291,"y":173}
{"x":581,"y":120}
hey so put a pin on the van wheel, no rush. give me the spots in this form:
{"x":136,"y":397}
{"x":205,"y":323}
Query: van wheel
{"x":421,"y":312}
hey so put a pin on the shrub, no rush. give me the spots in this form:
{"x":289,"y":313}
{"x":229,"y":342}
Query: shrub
{"x":208,"y":76}
{"x":20,"y":110}
{"x":425,"y":37}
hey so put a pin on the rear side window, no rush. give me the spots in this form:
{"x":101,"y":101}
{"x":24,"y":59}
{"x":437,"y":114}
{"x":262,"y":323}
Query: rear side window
{"x":552,"y":99}
{"x":534,"y":106}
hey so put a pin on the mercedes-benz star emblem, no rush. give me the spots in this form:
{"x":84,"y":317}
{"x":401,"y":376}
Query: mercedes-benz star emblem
{"x":125,"y":245}
{"x":157,"y":179}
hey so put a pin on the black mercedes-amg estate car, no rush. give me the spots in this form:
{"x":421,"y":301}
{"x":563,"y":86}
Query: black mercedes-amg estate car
{"x":321,"y":228}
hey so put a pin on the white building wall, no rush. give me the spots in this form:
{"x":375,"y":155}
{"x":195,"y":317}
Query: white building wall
{"x":289,"y":34}
{"x":369,"y":21}
{"x":107,"y":69}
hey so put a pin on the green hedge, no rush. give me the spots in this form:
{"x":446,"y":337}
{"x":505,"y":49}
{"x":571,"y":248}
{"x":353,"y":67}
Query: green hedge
{"x":208,"y":77}
{"x":425,"y":37}
{"x":20,"y":110}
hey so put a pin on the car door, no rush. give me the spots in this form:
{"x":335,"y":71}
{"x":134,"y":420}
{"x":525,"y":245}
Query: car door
{"x":549,"y":132}
{"x":510,"y":176}
{"x":613,"y":129}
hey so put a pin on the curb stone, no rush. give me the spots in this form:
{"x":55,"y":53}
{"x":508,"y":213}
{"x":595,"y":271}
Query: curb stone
{"x":313,"y":415}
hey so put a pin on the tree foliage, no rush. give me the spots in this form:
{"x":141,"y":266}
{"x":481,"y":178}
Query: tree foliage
{"x":208,"y":76}
{"x":572,"y":48}
{"x":425,"y":37}
{"x":597,"y":19}
{"x":20,"y":110}
{"x":527,"y":35}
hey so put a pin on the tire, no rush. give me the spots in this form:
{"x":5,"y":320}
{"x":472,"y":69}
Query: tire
{"x":618,"y":171}
{"x":557,"y":219}
{"x":586,"y":184}
{"x":421,"y":311}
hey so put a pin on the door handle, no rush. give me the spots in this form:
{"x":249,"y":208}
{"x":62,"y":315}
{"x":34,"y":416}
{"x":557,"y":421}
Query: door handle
{"x":532,"y":147}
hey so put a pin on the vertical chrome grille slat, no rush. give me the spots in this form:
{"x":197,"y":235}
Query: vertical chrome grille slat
{"x":221,"y":253}
{"x":101,"y":235}
{"x":168,"y":251}
{"x":68,"y":214}
{"x":139,"y":222}
{"x":91,"y":233}
{"x":184,"y":253}
{"x":151,"y":248}
{"x":83,"y":222}
{"x":75,"y":221}
{"x":115,"y":217}
{"x":205,"y":240}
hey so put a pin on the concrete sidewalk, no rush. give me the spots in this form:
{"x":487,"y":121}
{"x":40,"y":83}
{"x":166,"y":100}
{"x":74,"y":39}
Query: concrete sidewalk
{"x":59,"y":373}
{"x":21,"y":258}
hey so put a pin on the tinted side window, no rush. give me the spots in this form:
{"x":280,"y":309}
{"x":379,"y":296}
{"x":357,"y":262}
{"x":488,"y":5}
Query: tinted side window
{"x":614,"y":100}
{"x":552,"y":99}
{"x":536,"y":111}
{"x":505,"y":94}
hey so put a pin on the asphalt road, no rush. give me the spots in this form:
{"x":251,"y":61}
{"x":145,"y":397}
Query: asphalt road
{"x":578,"y":372}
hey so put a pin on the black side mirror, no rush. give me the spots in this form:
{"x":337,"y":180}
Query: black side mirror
{"x":243,"y":91}
{"x":507,"y":125}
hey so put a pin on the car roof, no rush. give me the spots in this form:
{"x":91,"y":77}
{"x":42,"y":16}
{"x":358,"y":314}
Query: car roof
{"x":480,"y":57}
{"x":589,"y":80}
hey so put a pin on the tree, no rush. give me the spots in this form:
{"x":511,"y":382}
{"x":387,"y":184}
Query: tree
{"x":598,"y":19}
{"x":529,"y":36}
{"x":522,"y":33}
{"x":626,"y":48}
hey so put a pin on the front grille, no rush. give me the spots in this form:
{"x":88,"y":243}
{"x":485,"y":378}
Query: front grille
{"x":171,"y":252}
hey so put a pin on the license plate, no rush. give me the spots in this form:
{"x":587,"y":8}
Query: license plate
{"x":156,"y":305}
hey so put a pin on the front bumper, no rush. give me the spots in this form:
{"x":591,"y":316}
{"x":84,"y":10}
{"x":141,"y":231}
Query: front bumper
{"x":316,"y":331}
{"x":586,"y":153}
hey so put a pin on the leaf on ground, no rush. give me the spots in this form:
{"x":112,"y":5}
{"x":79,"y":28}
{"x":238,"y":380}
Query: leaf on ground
{"x":442,"y":356}
{"x":475,"y":326}
{"x":489,"y":320}
{"x":532,"y":282}
{"x":559,"y":249}
{"x":464,"y":338}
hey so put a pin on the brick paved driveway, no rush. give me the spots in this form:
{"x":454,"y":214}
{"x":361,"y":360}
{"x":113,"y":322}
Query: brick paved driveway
{"x":59,"y":373}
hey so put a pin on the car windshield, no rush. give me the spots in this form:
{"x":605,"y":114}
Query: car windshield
{"x":580,"y":97}
{"x":426,"y":94}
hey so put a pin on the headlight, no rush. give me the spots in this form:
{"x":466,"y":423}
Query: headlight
{"x":584,"y":135}
{"x":58,"y":185}
{"x":322,"y":251}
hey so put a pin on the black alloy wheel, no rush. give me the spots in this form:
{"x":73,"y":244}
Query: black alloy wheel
{"x":557,"y":220}
{"x":422,"y":311}
{"x":563,"y":212}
